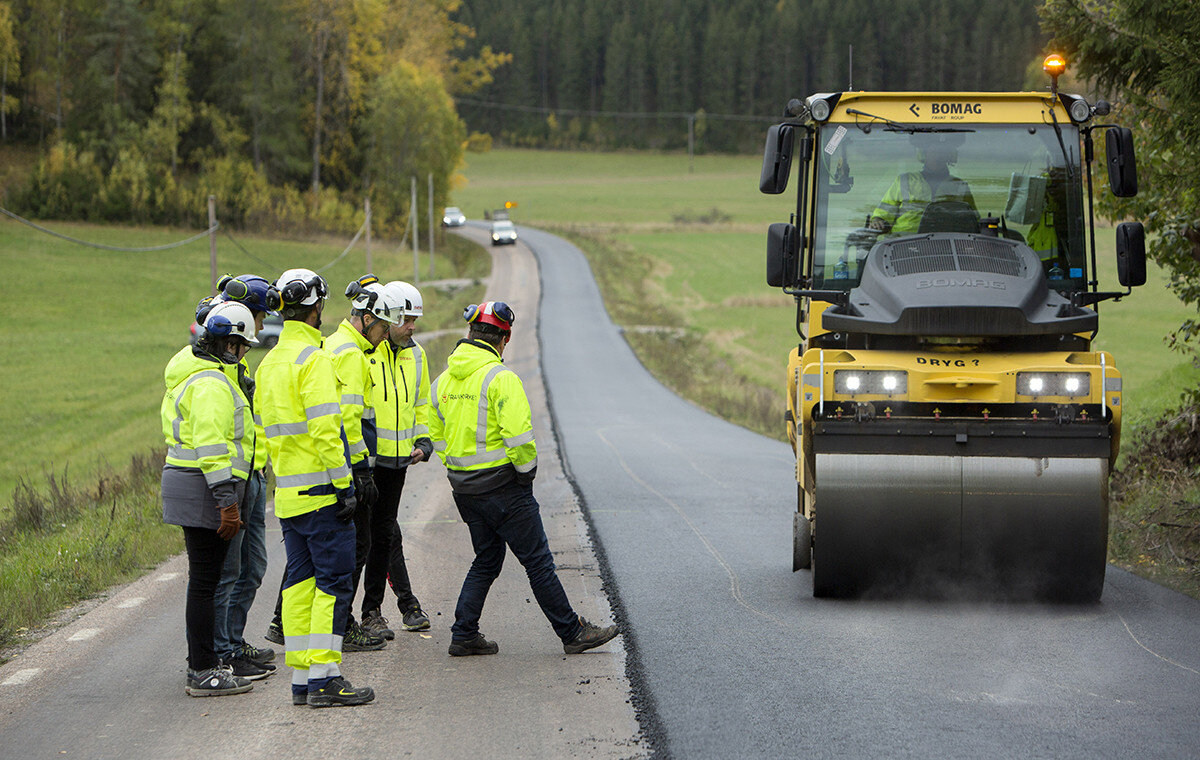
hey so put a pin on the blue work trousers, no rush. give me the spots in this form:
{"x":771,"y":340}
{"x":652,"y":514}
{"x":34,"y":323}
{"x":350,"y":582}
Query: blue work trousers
{"x":245,"y":565}
{"x":509,"y":516}
{"x":317,"y":593}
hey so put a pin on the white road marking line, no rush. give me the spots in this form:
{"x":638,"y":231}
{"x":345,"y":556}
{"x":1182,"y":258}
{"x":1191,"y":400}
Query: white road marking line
{"x":22,"y":677}
{"x":166,"y":577}
{"x":131,"y":602}
{"x":83,"y":634}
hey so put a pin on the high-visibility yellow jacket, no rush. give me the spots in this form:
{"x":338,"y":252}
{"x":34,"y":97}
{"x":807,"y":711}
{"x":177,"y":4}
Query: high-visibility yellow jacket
{"x":298,"y":401}
{"x":259,"y":456}
{"x":348,"y":349}
{"x":480,"y":423}
{"x":400,"y":376}
{"x":904,"y":202}
{"x":206,"y":418}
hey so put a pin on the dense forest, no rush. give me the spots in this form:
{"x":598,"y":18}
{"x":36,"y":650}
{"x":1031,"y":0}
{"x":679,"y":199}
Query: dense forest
{"x":729,"y":59}
{"x":291,"y":112}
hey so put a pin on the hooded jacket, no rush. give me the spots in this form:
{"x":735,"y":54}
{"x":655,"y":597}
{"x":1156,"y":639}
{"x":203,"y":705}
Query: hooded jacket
{"x":481,"y":424}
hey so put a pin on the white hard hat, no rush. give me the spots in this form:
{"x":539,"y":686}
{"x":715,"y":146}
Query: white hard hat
{"x":230,"y":318}
{"x":386,"y":304}
{"x":415,"y":307}
{"x":301,"y":287}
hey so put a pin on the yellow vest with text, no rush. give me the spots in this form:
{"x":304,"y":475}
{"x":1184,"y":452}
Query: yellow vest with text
{"x":480,"y":418}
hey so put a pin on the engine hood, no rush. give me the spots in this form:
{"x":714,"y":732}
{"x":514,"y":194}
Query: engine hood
{"x":955,"y":284}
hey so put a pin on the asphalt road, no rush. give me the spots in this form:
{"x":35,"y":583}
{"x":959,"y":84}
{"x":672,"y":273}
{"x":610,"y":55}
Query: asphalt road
{"x":731,"y":655}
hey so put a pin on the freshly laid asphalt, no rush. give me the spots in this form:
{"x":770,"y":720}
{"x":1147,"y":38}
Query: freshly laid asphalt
{"x":731,"y":656}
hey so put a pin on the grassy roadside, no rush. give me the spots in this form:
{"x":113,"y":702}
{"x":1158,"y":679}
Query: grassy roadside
{"x":84,"y":346}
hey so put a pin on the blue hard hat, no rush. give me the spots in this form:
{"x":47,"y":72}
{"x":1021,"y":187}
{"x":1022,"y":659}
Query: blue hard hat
{"x":255,"y":292}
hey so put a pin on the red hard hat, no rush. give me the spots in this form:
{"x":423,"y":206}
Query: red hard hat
{"x":495,"y":313}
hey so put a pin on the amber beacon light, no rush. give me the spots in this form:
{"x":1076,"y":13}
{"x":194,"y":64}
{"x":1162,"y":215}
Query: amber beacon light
{"x":1054,"y":65}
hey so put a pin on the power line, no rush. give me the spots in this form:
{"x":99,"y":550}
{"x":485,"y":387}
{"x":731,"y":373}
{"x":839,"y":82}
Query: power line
{"x":102,"y":246}
{"x":619,"y":114}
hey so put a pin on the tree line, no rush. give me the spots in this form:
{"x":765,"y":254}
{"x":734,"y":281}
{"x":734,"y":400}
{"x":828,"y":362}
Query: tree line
{"x":289,"y":111}
{"x":715,"y":58}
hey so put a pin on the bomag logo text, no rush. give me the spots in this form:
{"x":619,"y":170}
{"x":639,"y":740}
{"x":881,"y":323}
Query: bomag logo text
{"x":960,"y":282}
{"x":955,"y":109}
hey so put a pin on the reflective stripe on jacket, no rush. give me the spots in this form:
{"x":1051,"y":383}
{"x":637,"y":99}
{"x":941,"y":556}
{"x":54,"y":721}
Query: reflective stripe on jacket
{"x":298,"y":400}
{"x":401,"y":399}
{"x":206,"y":418}
{"x":904,"y":202}
{"x":480,"y":420}
{"x":348,"y":349}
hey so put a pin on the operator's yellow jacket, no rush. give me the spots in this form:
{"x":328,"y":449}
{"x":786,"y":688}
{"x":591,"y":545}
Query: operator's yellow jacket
{"x":206,"y":418}
{"x":904,"y":202}
{"x":298,"y":400}
{"x":400,"y":376}
{"x":348,"y":349}
{"x":481,"y":424}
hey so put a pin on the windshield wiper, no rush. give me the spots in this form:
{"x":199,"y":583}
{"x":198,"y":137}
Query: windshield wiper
{"x":895,"y":126}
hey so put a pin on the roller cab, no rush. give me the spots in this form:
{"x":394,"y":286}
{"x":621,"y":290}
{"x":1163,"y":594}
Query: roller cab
{"x":952,"y":425}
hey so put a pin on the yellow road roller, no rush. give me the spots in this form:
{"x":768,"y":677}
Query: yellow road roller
{"x":951,"y":423}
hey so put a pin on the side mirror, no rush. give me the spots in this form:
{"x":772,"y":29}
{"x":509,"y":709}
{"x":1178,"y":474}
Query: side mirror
{"x":783,"y":254}
{"x":1131,"y":254}
{"x":1122,"y":167}
{"x":777,"y":159}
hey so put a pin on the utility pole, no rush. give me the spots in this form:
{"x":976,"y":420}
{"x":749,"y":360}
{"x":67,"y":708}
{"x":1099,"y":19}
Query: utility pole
{"x":367,"y":205}
{"x":431,"y":225}
{"x":212,"y":241}
{"x":412,"y":215}
{"x":691,"y":142}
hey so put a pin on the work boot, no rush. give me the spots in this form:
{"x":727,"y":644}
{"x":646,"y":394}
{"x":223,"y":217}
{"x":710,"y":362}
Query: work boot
{"x":275,"y":633}
{"x":243,"y":667}
{"x":299,"y":698}
{"x":589,"y":637}
{"x":215,"y":682}
{"x":263,"y":656}
{"x":376,"y":624}
{"x":477,"y":645}
{"x":358,"y":640}
{"x":416,"y":620}
{"x":338,"y":692}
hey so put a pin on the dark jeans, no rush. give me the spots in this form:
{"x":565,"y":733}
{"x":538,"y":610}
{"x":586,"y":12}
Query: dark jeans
{"x":509,"y":515}
{"x":206,"y":555}
{"x":245,"y":565}
{"x":385,"y":556}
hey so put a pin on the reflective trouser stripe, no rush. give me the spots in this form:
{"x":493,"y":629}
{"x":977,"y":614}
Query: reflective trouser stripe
{"x":316,"y":655}
{"x":300,"y":677}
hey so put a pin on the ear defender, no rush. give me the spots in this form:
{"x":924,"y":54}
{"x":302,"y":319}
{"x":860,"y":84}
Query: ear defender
{"x":294,"y":292}
{"x":272,"y":300}
{"x":219,"y":326}
{"x":235,"y":290}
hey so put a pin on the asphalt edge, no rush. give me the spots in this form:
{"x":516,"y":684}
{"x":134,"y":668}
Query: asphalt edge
{"x":641,"y":698}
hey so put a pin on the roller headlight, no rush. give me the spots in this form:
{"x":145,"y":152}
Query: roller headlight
{"x":873,"y":382}
{"x":1070,"y":384}
{"x":1080,"y":111}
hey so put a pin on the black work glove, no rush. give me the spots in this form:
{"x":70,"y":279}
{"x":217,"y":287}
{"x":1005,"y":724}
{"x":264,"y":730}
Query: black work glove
{"x":364,"y":488}
{"x":346,"y":505}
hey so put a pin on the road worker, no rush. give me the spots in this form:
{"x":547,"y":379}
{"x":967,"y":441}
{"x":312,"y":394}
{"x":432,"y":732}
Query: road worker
{"x":300,"y":407}
{"x":481,"y":428}
{"x":903,"y":205}
{"x":208,"y":427}
{"x":374,"y":310}
{"x":400,"y":376}
{"x":246,"y":560}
